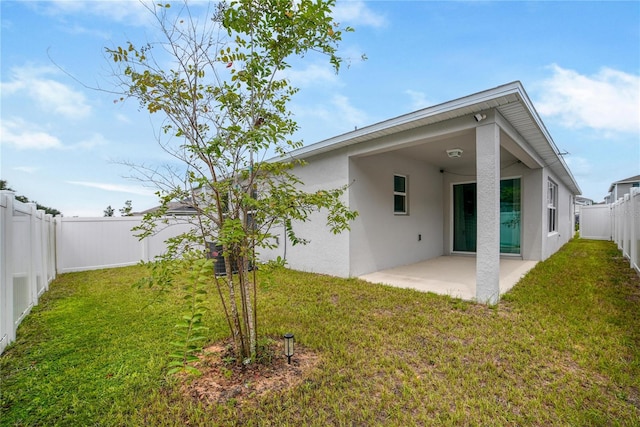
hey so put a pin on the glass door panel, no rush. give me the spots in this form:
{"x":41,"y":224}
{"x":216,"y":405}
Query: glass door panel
{"x":510,"y":216}
{"x":465,"y":217}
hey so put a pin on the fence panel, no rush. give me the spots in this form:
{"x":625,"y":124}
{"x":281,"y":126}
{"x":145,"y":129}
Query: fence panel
{"x":22,"y":231}
{"x":94,"y":243}
{"x":635,"y":229}
{"x":626,"y":226}
{"x":26,"y":261}
{"x":624,"y":220}
{"x":595,"y":222}
{"x":34,"y":247}
{"x":155,"y":245}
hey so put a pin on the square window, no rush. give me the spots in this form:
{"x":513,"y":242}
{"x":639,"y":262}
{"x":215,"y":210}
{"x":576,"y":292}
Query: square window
{"x":399,"y":183}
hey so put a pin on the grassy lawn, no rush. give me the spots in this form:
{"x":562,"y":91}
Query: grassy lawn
{"x":562,"y":348}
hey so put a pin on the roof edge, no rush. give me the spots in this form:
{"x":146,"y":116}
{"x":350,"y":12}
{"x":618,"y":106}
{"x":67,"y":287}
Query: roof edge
{"x":354,"y":136}
{"x":360,"y":135}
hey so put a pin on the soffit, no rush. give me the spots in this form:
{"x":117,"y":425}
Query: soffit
{"x":510,"y":100}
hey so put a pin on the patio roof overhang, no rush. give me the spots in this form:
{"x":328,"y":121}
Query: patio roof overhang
{"x":516,"y":116}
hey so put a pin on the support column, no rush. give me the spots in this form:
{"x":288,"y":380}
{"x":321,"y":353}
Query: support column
{"x":488,"y":213}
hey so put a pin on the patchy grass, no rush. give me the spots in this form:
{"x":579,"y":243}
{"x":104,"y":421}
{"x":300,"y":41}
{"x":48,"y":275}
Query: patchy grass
{"x":562,"y":348}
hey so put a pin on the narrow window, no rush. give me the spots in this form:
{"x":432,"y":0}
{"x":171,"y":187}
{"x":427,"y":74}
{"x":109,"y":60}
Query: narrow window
{"x":552,"y":206}
{"x":400,"y":195}
{"x":251,"y":209}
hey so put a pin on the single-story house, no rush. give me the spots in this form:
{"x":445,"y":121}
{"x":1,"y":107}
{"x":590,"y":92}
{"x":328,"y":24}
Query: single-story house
{"x":477,"y":177}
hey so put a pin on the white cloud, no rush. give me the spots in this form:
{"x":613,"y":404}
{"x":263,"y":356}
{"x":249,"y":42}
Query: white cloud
{"x":26,"y":136}
{"x":347,"y":113}
{"x":26,"y":169}
{"x":88,"y":31}
{"x":123,"y":118}
{"x":130,"y":11}
{"x":313,"y":75}
{"x":29,"y":136}
{"x":320,"y":121}
{"x":418,"y":99}
{"x":118,"y":188}
{"x":579,"y":166}
{"x":93,"y":141}
{"x":357,"y":13}
{"x":50,"y":95}
{"x":608,"y":101}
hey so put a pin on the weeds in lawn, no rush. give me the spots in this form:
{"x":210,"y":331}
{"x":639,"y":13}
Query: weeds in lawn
{"x":562,"y":348}
{"x":191,"y":327}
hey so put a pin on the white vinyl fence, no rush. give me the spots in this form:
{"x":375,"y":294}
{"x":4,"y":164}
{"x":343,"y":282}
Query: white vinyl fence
{"x":35,"y":246}
{"x":626,"y":226}
{"x":27,"y":261}
{"x":619,"y":222}
{"x":94,"y":243}
{"x":595,"y":222}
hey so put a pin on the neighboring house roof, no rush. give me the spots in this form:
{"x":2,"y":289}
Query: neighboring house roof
{"x":583,"y":201}
{"x":510,"y":100}
{"x":173,"y":208}
{"x":629,"y":180}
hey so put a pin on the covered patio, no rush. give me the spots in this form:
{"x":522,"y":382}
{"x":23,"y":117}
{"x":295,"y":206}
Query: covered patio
{"x":449,"y":275}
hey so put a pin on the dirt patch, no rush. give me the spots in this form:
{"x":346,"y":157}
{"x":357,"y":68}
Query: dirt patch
{"x":224,"y":379}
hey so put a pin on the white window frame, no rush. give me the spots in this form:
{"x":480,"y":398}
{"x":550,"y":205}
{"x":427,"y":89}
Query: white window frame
{"x":552,"y":207}
{"x":404,"y":194}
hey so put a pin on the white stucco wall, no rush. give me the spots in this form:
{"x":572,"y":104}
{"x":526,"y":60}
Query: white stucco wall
{"x":381,"y":239}
{"x":534,"y":210}
{"x":553,"y":241}
{"x":325,"y":253}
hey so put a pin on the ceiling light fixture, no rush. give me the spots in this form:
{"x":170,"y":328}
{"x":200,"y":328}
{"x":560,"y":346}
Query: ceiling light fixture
{"x":454,"y":153}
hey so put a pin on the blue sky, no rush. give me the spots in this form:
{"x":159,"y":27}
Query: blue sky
{"x":63,"y":144}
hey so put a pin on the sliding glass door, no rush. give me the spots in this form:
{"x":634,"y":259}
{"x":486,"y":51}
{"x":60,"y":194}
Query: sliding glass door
{"x":465,"y":216}
{"x":510,"y":216}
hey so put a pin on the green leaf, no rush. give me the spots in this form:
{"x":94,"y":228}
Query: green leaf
{"x":192,"y":370}
{"x":175,"y":370}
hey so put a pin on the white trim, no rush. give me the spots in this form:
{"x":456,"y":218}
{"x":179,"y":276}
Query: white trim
{"x":404,"y":194}
{"x":552,"y":205}
{"x":529,"y":126}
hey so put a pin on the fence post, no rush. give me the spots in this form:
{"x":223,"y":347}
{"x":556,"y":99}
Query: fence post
{"x":42,"y":248}
{"x":33,"y":255}
{"x":618,"y":225}
{"x":634,"y":231}
{"x":7,"y":329}
{"x":58,"y":243}
{"x":144,"y":243}
{"x":51,"y":249}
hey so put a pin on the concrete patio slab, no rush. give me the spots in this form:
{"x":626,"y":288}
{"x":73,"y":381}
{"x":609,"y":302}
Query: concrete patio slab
{"x":449,"y":275}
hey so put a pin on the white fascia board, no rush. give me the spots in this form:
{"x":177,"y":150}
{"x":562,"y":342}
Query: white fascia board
{"x":531,"y":158}
{"x":557,"y":158}
{"x":470,"y":104}
{"x":371,"y":131}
